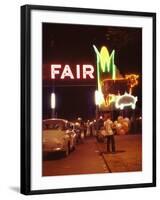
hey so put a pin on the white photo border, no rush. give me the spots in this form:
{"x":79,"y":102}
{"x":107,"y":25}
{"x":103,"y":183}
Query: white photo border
{"x":55,"y":183}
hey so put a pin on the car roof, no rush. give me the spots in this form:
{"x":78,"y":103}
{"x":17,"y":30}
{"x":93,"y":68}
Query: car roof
{"x":54,"y":119}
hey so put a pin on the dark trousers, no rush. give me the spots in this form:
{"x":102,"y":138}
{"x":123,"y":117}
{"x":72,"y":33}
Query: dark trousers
{"x":111,"y":143}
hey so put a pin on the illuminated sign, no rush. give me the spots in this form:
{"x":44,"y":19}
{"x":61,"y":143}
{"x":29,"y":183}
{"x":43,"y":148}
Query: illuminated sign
{"x":53,"y":100}
{"x":81,"y":72}
{"x":111,"y":84}
{"x":126,"y":100}
{"x":132,"y":81}
{"x":105,"y":62}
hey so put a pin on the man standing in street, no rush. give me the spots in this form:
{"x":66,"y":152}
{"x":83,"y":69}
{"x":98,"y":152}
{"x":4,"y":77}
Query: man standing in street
{"x":108,"y":124}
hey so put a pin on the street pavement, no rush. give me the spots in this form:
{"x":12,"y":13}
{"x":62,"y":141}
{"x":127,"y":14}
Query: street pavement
{"x":128,"y":156}
{"x":91,"y":157}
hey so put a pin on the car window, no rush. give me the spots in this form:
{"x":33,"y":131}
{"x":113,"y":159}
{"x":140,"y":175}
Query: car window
{"x":54,"y":125}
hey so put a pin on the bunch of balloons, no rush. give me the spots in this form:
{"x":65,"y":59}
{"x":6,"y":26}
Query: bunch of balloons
{"x":122,"y":125}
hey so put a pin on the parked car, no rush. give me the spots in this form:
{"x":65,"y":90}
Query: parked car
{"x":58,"y":136}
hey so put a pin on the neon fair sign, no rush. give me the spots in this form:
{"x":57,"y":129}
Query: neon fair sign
{"x":105,"y":63}
{"x":84,"y":71}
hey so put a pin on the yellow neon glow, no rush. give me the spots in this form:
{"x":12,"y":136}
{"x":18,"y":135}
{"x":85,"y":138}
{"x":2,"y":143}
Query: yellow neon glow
{"x":111,"y":98}
{"x":105,"y":62}
{"x":132,"y":81}
{"x":104,"y":59}
{"x":99,"y":99}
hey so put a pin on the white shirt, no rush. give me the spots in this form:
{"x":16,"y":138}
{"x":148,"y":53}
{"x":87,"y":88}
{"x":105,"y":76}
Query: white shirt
{"x":108,"y":127}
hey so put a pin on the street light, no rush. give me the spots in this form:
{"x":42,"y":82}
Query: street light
{"x":99,"y":99}
{"x":97,"y":103}
{"x":96,"y":97}
{"x":53,"y":103}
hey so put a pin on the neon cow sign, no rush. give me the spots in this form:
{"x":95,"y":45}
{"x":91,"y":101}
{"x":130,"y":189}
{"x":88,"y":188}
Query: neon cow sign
{"x":81,"y":72}
{"x":126,"y":100}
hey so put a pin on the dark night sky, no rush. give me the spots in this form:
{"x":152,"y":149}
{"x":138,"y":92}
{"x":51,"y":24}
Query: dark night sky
{"x":72,"y":44}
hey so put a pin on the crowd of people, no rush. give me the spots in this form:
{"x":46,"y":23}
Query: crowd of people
{"x":104,"y":128}
{"x":90,"y":128}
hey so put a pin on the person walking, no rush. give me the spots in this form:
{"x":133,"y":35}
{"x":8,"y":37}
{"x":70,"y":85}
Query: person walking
{"x":108,"y":124}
